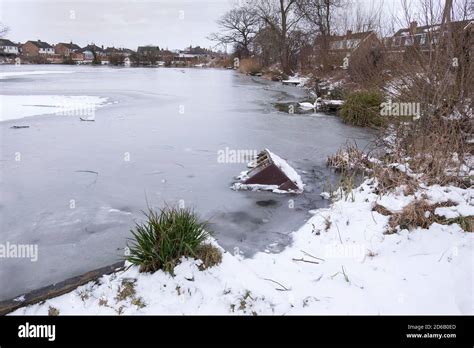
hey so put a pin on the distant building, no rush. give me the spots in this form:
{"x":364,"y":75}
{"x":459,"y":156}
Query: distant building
{"x":37,"y":48}
{"x":148,"y":50}
{"x":85,"y":55}
{"x":351,"y":42}
{"x":92,"y":48}
{"x":425,"y":38}
{"x":353,"y":45}
{"x":8,"y":47}
{"x":124,"y":52}
{"x":197,"y":52}
{"x":66,"y":49}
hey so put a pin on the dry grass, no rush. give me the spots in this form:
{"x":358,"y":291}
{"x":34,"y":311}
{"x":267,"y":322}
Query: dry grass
{"x":349,"y":158}
{"x":250,"y":66}
{"x":465,"y":222}
{"x":52,"y":311}
{"x":126,"y":290}
{"x":390,"y":178}
{"x":436,"y":148}
{"x":350,"y":161}
{"x":419,"y":213}
{"x":138,"y":302}
{"x":381,"y":210}
{"x":209,"y":255}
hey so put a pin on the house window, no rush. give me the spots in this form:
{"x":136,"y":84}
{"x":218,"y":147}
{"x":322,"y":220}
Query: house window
{"x":337,"y":45}
{"x":396,"y":42}
{"x":423,"y":39}
{"x":409,"y":41}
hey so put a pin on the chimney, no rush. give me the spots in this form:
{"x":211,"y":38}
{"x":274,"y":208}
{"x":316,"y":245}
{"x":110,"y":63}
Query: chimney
{"x":349,"y":33}
{"x":413,"y":26}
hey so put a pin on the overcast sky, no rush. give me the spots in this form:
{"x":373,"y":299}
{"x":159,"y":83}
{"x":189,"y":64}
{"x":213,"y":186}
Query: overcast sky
{"x":119,"y":23}
{"x":173,"y":24}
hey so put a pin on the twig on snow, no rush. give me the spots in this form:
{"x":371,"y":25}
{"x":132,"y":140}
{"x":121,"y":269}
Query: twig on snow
{"x":284,"y":288}
{"x":307,"y":261}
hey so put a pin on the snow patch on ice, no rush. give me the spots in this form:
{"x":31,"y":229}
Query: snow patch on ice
{"x":7,"y":74}
{"x":19,"y":106}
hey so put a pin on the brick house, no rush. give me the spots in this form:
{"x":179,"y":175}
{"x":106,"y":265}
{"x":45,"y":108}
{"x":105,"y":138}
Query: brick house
{"x":148,"y":51}
{"x":65,"y":49}
{"x":112,"y":51}
{"x":350,"y":44}
{"x":37,"y":48}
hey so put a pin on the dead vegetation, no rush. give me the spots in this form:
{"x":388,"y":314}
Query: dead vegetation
{"x":125,"y":291}
{"x":209,"y":255}
{"x":381,"y":210}
{"x":52,"y":311}
{"x":349,"y":158}
{"x":465,"y":222}
{"x":421,"y":213}
{"x":391,"y":178}
{"x":349,"y":161}
{"x":436,"y":147}
{"x":250,"y":66}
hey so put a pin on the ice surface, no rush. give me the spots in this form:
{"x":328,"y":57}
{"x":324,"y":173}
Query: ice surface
{"x":76,"y":188}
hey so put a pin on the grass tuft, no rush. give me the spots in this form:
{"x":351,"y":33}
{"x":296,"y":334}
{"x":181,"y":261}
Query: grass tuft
{"x":165,"y":237}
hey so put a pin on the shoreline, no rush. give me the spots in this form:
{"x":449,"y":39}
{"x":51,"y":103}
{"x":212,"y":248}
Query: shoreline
{"x":351,"y":245}
{"x":325,"y":272}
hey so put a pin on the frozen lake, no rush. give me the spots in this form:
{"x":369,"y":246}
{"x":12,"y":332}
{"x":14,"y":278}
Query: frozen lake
{"x":75,"y":188}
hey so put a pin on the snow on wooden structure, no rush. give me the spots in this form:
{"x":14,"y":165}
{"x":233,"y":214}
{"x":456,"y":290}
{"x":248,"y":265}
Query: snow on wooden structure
{"x":270,"y":172}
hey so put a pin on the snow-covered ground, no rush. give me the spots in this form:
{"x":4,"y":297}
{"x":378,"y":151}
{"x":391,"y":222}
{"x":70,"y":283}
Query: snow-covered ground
{"x":340,"y":262}
{"x":14,"y":107}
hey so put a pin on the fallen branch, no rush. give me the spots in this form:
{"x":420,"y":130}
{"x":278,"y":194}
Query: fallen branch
{"x":284,"y":288}
{"x":339,"y":233}
{"x":307,"y":261}
{"x":314,"y":257}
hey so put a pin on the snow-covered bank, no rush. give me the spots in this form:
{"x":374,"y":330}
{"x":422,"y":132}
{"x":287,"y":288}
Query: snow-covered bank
{"x":341,"y":262}
{"x":14,"y":107}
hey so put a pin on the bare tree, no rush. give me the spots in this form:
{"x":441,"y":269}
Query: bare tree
{"x":320,"y":14}
{"x":239,"y":27}
{"x":319,"y":17}
{"x":281,"y":17}
{"x":3,"y":30}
